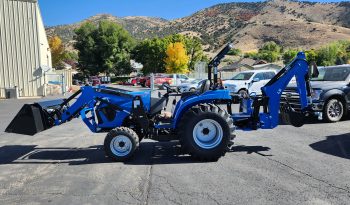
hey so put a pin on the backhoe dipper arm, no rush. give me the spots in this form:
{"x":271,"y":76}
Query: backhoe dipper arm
{"x":274,"y":88}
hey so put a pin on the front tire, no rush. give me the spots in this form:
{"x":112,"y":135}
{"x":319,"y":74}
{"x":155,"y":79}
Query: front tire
{"x":243,"y":93}
{"x":121,"y":143}
{"x":206,"y":132}
{"x":333,"y":111}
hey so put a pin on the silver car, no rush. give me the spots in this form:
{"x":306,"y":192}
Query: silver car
{"x":189,"y":87}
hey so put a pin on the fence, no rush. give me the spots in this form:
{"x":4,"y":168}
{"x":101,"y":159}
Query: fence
{"x":55,"y":84}
{"x":222,"y":75}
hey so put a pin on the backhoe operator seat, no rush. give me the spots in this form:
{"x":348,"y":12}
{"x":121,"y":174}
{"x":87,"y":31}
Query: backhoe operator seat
{"x":157,"y":105}
{"x":204,"y":87}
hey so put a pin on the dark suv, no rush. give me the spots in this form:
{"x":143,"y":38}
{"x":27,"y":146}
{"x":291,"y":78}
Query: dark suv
{"x":330,"y":93}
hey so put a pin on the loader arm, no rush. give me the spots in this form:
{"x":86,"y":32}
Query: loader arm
{"x":101,"y":108}
{"x":119,"y":102}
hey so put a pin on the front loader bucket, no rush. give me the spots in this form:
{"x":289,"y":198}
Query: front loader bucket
{"x":33,"y":118}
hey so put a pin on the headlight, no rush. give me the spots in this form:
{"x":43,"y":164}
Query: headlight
{"x":231,"y":87}
{"x":315,"y":94}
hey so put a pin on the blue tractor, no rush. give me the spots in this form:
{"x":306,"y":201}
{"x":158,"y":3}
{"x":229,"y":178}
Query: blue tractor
{"x":202,"y":121}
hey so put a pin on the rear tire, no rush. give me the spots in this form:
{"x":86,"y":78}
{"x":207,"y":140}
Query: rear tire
{"x":120,"y":144}
{"x":206,"y":132}
{"x":333,"y":111}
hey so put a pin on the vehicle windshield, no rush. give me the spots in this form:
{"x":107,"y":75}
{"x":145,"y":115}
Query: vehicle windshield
{"x":243,"y":76}
{"x":332,"y":74}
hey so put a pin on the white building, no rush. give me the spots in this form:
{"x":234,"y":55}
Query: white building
{"x":24,"y":51}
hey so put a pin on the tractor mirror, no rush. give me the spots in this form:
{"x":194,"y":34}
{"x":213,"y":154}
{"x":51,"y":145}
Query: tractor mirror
{"x":313,"y":71}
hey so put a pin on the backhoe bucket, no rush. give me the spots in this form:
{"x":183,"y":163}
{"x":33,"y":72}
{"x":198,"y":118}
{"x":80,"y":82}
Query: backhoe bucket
{"x":33,"y":118}
{"x":291,"y":117}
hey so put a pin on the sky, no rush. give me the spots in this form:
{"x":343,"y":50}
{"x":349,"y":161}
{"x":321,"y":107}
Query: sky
{"x":57,"y":12}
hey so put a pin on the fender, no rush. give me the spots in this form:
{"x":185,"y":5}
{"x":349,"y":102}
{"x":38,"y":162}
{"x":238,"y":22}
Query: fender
{"x":208,"y":97}
{"x":331,"y":93}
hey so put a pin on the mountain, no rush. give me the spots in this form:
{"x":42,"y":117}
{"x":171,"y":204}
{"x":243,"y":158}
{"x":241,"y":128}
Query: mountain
{"x":292,"y":24}
{"x":138,"y":26}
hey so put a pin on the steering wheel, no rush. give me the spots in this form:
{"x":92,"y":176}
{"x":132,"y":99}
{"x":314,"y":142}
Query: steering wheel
{"x":168,"y":88}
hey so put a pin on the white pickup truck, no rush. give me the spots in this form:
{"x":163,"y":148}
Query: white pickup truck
{"x":249,"y":82}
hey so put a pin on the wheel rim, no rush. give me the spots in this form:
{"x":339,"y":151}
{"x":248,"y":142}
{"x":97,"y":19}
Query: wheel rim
{"x":335,"y":110}
{"x":207,"y":134}
{"x":121,"y":145}
{"x":243,"y":93}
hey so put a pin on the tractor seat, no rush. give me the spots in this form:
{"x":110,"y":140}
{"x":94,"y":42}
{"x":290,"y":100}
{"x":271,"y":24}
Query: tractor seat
{"x":157,"y":105}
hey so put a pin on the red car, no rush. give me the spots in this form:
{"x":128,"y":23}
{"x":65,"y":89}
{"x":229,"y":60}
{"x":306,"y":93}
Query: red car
{"x":160,"y":80}
{"x":134,"y":81}
{"x":140,"y":80}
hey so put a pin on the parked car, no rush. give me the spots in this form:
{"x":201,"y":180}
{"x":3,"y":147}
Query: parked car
{"x":190,"y":86}
{"x":168,"y":79}
{"x":105,"y":79}
{"x":77,"y":82}
{"x":248,"y":82}
{"x":142,"y":80}
{"x":330,"y":93}
{"x":134,"y":81}
{"x":94,"y":80}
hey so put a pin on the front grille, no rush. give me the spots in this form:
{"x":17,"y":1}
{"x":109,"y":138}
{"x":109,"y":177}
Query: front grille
{"x":293,"y":98}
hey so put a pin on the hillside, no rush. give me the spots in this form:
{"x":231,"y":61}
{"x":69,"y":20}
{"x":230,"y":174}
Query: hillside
{"x":289,"y":23}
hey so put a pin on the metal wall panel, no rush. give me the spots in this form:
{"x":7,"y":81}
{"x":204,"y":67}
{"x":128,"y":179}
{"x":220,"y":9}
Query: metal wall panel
{"x":21,"y":47}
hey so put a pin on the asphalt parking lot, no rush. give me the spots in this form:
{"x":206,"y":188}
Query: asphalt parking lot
{"x":66,"y":165}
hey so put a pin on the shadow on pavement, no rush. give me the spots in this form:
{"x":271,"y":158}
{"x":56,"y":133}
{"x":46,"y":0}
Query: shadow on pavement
{"x":251,"y":149}
{"x":336,"y":145}
{"x":148,"y":153}
{"x":10,"y":153}
{"x":313,"y":120}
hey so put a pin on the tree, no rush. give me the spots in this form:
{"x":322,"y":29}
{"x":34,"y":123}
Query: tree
{"x":289,"y":55}
{"x":85,"y":44}
{"x":151,"y":53}
{"x":253,"y":55}
{"x":235,"y":52}
{"x":105,"y":48}
{"x":270,"y":46}
{"x":193,"y":47}
{"x":177,"y":59}
{"x":270,"y":52}
{"x":327,"y":55}
{"x":311,"y":56}
{"x":195,"y":51}
{"x":57,"y":51}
